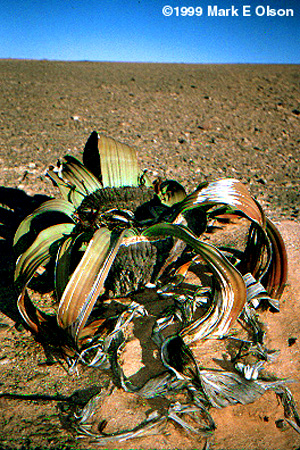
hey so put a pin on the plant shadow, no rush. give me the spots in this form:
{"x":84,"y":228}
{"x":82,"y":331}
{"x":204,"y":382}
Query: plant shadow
{"x":15,"y":205}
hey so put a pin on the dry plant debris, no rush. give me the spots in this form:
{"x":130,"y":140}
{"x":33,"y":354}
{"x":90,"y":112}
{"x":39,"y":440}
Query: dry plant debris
{"x":116,"y":239}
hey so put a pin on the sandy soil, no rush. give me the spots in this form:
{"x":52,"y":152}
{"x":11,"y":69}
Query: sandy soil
{"x":188,"y":122}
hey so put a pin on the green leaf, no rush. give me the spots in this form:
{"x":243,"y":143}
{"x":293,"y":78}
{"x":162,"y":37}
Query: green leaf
{"x":230,"y":297}
{"x":74,"y":180}
{"x":67,"y":190}
{"x":63,"y":263}
{"x":40,"y":252}
{"x":69,"y":249}
{"x":170,"y":192}
{"x":119,"y":166}
{"x":54,"y":205}
{"x":76,"y":173}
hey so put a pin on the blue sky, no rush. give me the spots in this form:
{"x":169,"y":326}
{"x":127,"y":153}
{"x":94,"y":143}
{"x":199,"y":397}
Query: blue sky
{"x":137,"y":30}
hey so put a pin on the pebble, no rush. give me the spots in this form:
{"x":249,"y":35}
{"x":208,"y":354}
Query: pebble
{"x":262,"y":181}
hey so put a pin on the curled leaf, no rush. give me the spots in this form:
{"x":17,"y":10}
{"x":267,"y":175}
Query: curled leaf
{"x":229,"y":192}
{"x":230,"y":295}
{"x":50,"y":206}
{"x":275,"y":278}
{"x":40,"y":252}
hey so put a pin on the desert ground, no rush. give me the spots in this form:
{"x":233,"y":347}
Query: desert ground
{"x":190,"y":123}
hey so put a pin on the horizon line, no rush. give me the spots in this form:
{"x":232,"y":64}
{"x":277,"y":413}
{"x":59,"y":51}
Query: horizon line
{"x":144,"y":62}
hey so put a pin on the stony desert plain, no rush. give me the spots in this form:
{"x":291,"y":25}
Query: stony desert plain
{"x":190,"y":123}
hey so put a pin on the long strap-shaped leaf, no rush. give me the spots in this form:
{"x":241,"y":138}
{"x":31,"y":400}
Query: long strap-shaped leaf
{"x":54,"y":205}
{"x":63,"y":262}
{"x":87,"y":281}
{"x":276,"y":276}
{"x":39,"y":253}
{"x":67,"y":190}
{"x":74,"y":180}
{"x":119,"y":166}
{"x":32,"y":316}
{"x":83,"y":281}
{"x":75,"y":172}
{"x":257,"y":257}
{"x":230,"y":296}
{"x":229,"y":192}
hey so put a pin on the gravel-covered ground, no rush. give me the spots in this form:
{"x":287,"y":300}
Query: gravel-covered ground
{"x":190,"y":123}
